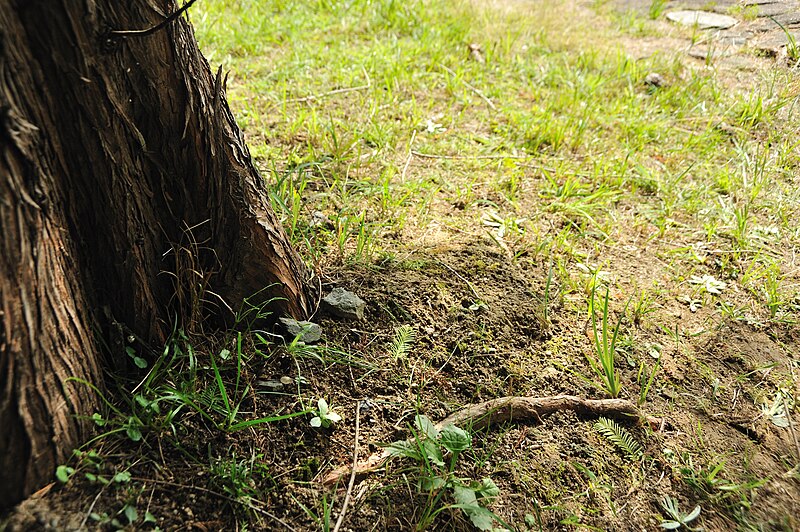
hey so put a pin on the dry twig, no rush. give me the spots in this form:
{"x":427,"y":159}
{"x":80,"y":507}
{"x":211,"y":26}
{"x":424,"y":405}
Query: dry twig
{"x":471,"y":87}
{"x":333,"y":92}
{"x":353,"y":472}
{"x":467,"y":157}
{"x":469,"y":284}
{"x":505,"y":409}
{"x":410,"y":154}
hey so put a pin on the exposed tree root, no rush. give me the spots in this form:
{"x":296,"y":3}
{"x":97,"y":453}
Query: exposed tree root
{"x":505,"y":409}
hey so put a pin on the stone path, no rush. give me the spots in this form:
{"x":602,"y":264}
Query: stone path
{"x":754,"y":28}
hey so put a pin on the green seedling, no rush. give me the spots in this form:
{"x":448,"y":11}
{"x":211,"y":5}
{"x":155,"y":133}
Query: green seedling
{"x":130,"y":515}
{"x":596,"y":487}
{"x":792,"y":49}
{"x":656,"y":8}
{"x":605,"y":341}
{"x":404,"y":337}
{"x":645,"y":379}
{"x":64,"y":473}
{"x":325,"y":417}
{"x":138,"y":361}
{"x":621,"y":438}
{"x":708,"y":284}
{"x":430,"y":448}
{"x":241,"y":480}
{"x":677,"y":518}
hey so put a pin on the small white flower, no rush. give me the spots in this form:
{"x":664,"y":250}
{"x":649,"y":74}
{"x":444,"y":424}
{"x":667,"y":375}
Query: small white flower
{"x":694,"y":304}
{"x":709,"y":283}
{"x":432,"y":127}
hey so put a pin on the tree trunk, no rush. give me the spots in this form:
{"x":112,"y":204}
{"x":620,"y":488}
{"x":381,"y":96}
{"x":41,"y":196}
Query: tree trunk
{"x":127,"y":197}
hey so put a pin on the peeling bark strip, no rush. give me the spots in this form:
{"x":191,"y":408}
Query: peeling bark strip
{"x":107,"y":155}
{"x":501,"y":410}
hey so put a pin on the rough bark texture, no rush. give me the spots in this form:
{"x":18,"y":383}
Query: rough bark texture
{"x":110,"y":150}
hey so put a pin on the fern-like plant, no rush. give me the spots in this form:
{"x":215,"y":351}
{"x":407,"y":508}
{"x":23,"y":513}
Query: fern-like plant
{"x":620,"y":437}
{"x":404,"y":336}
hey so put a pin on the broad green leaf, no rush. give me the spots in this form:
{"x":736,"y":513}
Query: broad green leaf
{"x":323,"y":406}
{"x":404,"y":448}
{"x":468,"y":502}
{"x":316,"y":421}
{"x":464,"y":495}
{"x":131,"y":514}
{"x":63,"y":473}
{"x":488,"y":489}
{"x":140,"y":362}
{"x":692,"y":515}
{"x":482,"y":518}
{"x":455,"y":439}
{"x":425,"y":426}
{"x":670,"y":525}
{"x":98,"y":419}
{"x":122,"y":476}
{"x":433,"y":452}
{"x":134,"y":433}
{"x":432,"y":483}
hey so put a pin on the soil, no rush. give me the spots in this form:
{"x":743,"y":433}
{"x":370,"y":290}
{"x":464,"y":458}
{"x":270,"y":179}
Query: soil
{"x":488,"y":324}
{"x":465,"y":355}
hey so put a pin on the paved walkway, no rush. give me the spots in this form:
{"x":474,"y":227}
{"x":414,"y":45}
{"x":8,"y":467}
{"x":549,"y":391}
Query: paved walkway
{"x":755,"y":26}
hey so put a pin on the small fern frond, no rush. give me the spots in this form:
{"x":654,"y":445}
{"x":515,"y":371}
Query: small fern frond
{"x":620,"y":437}
{"x":404,"y":336}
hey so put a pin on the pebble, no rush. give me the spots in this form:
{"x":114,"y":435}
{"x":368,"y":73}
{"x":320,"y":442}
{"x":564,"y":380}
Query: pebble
{"x":307,"y":331}
{"x":655,"y":80}
{"x":344,"y":304}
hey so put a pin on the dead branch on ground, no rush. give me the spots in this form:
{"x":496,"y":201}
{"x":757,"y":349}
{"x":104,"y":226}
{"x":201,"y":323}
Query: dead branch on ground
{"x":508,"y":409}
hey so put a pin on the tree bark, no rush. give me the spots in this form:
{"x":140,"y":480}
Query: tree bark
{"x":127,"y":196}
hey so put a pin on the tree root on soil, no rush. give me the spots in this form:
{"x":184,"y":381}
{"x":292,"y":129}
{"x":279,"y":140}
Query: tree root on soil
{"x":505,"y":409}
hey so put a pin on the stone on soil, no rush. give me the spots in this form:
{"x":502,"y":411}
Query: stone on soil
{"x":702,"y":19}
{"x":307,"y":331}
{"x":655,"y":80}
{"x":344,"y":304}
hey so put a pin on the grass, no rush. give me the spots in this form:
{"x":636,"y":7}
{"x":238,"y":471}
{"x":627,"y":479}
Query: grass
{"x":605,"y":342}
{"x":469,"y":167}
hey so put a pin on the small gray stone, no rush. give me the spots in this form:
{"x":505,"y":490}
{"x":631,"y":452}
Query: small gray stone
{"x":655,"y":80}
{"x":318,"y":219}
{"x":307,"y":331}
{"x":709,"y":52}
{"x":270,"y":385}
{"x":344,"y":304}
{"x":702,"y":19}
